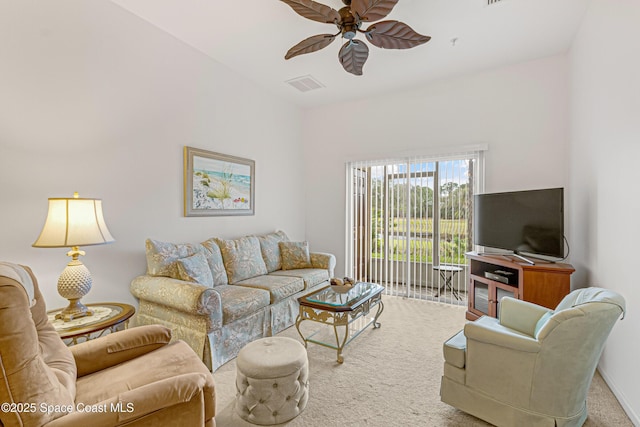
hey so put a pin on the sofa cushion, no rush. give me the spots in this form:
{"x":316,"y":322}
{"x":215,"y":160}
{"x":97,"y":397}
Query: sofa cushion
{"x":216,"y":264}
{"x":311,"y":276}
{"x":242,"y":258}
{"x":269,"y":245}
{"x":240,"y":301}
{"x":295,"y":255}
{"x":195,"y":268}
{"x":279,"y":287}
{"x":162,"y":256}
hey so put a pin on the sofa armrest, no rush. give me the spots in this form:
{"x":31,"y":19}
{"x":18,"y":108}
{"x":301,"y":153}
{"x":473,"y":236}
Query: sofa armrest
{"x":521,"y":316}
{"x":137,"y":403}
{"x":180,"y":295}
{"x":113,"y":349}
{"x":489,"y":331}
{"x":323,"y":260}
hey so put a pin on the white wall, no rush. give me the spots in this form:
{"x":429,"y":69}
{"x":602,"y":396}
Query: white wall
{"x":604,"y":153}
{"x":95,"y":100}
{"x":520,"y":111}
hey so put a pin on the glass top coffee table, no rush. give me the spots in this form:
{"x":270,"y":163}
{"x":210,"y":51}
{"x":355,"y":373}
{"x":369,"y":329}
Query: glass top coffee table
{"x":339,"y":317}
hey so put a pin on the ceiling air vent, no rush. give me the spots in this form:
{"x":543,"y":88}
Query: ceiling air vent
{"x":305,"y":83}
{"x":489,"y":2}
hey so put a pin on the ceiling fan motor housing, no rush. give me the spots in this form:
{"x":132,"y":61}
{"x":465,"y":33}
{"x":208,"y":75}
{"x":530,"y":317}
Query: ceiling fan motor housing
{"x":348,"y":24}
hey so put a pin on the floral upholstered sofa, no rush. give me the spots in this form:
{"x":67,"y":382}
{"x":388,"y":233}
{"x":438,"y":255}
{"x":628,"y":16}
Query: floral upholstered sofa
{"x":221,"y":294}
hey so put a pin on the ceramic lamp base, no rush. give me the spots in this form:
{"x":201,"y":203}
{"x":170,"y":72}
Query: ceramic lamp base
{"x":74,"y":283}
{"x":74,"y":310}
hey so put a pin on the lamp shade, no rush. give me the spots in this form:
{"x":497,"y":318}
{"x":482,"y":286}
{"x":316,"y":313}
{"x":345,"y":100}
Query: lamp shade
{"x":73,"y":222}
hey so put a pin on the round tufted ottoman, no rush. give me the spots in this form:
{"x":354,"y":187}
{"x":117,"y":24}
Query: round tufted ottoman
{"x":271,"y":380}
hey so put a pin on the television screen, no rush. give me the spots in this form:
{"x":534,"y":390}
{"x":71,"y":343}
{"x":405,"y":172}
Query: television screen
{"x":521,"y":221}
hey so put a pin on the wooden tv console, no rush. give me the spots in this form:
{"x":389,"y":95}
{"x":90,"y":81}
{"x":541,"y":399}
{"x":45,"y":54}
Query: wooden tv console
{"x":544,"y":283}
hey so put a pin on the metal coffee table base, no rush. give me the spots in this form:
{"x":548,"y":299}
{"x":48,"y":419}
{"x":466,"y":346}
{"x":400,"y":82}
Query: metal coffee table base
{"x":354,"y":323}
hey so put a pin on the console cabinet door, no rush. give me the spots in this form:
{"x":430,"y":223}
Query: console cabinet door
{"x":502,"y":290}
{"x":486,"y":295}
{"x":479,"y":297}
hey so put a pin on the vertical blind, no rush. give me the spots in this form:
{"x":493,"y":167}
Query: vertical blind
{"x":406,"y":215}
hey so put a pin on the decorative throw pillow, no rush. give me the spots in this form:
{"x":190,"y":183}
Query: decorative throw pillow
{"x":295,"y":255}
{"x":162,"y":256}
{"x":216,"y":264}
{"x":242,"y":258}
{"x":271,"y":250}
{"x":195,"y":268}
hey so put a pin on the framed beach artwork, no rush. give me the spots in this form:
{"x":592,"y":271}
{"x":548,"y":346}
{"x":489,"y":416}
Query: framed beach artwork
{"x":217,"y":184}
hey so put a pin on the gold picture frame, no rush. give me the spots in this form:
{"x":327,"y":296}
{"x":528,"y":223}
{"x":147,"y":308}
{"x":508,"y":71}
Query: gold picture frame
{"x":217,"y":184}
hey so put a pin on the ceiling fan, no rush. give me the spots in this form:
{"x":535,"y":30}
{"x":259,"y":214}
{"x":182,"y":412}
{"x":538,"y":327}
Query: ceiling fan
{"x":349,"y":19}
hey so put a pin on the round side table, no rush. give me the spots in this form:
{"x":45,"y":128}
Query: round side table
{"x":107,"y":317}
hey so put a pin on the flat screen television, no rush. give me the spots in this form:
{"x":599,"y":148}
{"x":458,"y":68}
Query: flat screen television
{"x":525,"y":222}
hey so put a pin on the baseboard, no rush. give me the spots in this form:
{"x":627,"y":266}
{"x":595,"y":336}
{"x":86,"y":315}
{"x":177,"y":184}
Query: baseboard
{"x":621,"y":398}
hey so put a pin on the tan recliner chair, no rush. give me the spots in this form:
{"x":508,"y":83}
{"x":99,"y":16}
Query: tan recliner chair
{"x":133,"y":377}
{"x":533,"y":366}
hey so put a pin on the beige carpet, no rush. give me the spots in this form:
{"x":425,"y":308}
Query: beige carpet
{"x":391,"y":376}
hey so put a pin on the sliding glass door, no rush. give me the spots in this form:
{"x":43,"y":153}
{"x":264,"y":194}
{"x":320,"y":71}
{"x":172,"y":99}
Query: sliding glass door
{"x":406,"y":216}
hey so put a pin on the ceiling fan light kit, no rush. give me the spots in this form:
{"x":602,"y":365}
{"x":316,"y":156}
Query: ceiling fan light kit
{"x":349,"y":20}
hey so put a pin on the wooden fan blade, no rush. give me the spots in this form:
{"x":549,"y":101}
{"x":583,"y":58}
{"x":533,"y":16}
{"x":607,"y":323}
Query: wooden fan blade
{"x":394,"y":35}
{"x":314,"y":11}
{"x":353,"y":55}
{"x":372,"y":10}
{"x":311,"y":44}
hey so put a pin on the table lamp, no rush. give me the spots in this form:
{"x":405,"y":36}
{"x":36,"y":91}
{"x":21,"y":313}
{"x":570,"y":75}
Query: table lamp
{"x":74,"y":222}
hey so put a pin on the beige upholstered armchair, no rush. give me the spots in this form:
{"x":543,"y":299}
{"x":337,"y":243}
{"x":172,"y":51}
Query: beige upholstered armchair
{"x":533,"y":366}
{"x":133,"y":377}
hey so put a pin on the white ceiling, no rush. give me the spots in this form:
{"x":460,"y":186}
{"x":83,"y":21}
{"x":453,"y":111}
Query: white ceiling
{"x":251,"y":37}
